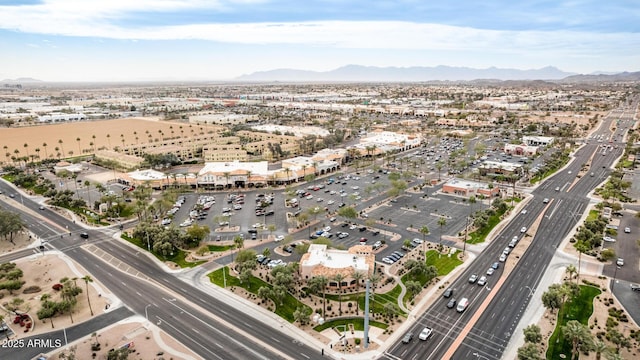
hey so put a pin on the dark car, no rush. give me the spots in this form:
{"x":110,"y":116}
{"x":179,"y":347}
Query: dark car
{"x":288,"y":249}
{"x":84,"y":235}
{"x":363,"y":228}
{"x":451,"y":303}
{"x":448,"y":292}
{"x":407,"y":338}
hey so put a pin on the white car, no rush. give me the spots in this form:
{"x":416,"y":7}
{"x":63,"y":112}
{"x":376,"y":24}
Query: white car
{"x":353,"y":227}
{"x":279,"y":238}
{"x":608,"y":239}
{"x":326,"y":228}
{"x":319,"y":199}
{"x":330,"y":202}
{"x":523,"y":230}
{"x":627,"y":230}
{"x":187,"y":222}
{"x":166,"y":221}
{"x":309,"y":197}
{"x":620,"y":262}
{"x":503,"y":258}
{"x":425,"y":334}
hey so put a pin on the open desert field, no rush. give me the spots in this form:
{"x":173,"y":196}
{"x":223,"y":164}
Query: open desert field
{"x":77,"y":138}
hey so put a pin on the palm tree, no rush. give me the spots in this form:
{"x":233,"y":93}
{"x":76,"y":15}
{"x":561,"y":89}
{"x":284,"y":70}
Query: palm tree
{"x":317,"y":284}
{"x":571,"y":269}
{"x":439,"y":167}
{"x":441,"y":222}
{"x":581,"y":247}
{"x":26,"y":148}
{"x":79,"y":149}
{"x":357,"y":276}
{"x":60,"y":142}
{"x":424,"y":230}
{"x":87,"y":279}
{"x":109,"y":140}
{"x":338,"y":278}
{"x":601,"y":348}
{"x":87,"y":183}
{"x":578,"y":334}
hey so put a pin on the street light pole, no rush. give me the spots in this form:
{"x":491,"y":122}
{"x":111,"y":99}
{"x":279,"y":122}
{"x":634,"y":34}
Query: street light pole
{"x":615,"y":272}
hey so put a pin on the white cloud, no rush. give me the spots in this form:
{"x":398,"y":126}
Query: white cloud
{"x":98,"y":18}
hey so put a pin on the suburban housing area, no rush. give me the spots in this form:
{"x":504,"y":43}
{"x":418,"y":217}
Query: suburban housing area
{"x":320,"y":220}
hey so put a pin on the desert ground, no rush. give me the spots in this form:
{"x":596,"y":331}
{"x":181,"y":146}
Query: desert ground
{"x":77,"y":137}
{"x":46,"y":270}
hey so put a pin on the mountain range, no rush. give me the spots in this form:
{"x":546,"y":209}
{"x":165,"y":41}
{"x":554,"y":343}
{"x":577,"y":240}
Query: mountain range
{"x":358,"y":73}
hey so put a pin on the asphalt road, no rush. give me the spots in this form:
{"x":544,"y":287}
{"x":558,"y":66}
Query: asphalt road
{"x":29,"y":347}
{"x":492,"y":331}
{"x":208,"y":326}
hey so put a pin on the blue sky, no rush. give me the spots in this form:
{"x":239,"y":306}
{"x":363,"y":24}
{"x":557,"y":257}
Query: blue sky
{"x":118,"y":40}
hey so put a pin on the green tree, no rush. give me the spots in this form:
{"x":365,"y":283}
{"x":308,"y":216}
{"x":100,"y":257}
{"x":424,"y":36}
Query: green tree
{"x":264,"y":292}
{"x":48,"y":310}
{"x":413,"y":287}
{"x":238,"y":241}
{"x":317,"y":285}
{"x":529,"y":351}
{"x":532,"y":334}
{"x":69,"y":293}
{"x":196,"y":234}
{"x":302,"y":315}
{"x":579,"y":336}
{"x":552,"y":298}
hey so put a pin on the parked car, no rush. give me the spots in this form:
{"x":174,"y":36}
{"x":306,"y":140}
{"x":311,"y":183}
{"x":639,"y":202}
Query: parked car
{"x":627,"y":230}
{"x":620,"y":262}
{"x":482,"y":281}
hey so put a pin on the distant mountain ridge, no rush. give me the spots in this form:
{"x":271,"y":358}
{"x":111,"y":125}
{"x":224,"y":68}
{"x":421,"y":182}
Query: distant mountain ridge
{"x":19,"y":80}
{"x":358,"y":73}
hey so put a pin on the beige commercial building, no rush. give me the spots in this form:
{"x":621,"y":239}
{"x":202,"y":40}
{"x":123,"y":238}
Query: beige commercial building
{"x":320,"y":260}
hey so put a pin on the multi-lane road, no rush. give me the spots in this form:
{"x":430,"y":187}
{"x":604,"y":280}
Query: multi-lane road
{"x":208,"y":326}
{"x":486,"y":327}
{"x":215,"y":329}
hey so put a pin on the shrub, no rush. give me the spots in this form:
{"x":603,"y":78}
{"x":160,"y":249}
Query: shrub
{"x":32,"y":290}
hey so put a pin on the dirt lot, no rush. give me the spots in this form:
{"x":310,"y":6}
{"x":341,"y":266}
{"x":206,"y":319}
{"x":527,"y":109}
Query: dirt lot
{"x":128,"y":129}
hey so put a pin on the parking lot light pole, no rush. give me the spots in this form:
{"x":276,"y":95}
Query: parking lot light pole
{"x":615,"y":272}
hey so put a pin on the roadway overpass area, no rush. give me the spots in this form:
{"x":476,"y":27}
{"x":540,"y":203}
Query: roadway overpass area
{"x":216,"y":328}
